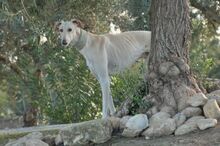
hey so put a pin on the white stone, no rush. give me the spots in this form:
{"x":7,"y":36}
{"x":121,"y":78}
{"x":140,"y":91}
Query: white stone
{"x":34,"y":135}
{"x":130,"y":132}
{"x":159,"y":118}
{"x":166,"y":127}
{"x":206,"y":123}
{"x":179,"y":119}
{"x":160,"y":124}
{"x":194,"y":119}
{"x":135,"y":125}
{"x":186,"y":128}
{"x":137,"y":122}
{"x":95,"y":131}
{"x":199,"y":99}
{"x":191,"y":111}
{"x":211,"y":109}
{"x":189,"y":126}
{"x":27,"y":142}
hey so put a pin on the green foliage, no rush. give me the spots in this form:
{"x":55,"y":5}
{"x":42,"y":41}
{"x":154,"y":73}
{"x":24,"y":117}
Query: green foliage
{"x":204,"y":49}
{"x":49,"y":77}
{"x":129,"y":84}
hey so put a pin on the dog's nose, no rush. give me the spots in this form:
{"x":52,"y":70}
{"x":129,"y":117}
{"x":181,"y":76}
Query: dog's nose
{"x":64,"y":42}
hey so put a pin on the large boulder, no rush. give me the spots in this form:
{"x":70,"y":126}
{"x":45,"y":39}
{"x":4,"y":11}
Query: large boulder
{"x":28,"y":142}
{"x":211,"y":109}
{"x":135,"y":125}
{"x":191,"y":111}
{"x":199,"y":99}
{"x":95,"y":131}
{"x":137,"y":122}
{"x":32,"y":139}
{"x":189,"y":126}
{"x":160,"y":124}
{"x":159,"y":117}
{"x":206,"y":123}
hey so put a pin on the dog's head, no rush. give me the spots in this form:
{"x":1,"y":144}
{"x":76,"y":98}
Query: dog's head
{"x":69,"y":31}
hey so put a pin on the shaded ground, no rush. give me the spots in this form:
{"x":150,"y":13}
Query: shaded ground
{"x":210,"y":137}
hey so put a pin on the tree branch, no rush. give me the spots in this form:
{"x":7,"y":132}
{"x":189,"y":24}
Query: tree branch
{"x":12,"y":66}
{"x":210,"y":13}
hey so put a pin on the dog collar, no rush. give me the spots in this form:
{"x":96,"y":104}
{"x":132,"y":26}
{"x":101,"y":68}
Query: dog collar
{"x":79,"y":45}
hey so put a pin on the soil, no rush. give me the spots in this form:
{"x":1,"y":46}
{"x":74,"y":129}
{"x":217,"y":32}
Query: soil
{"x":209,"y":137}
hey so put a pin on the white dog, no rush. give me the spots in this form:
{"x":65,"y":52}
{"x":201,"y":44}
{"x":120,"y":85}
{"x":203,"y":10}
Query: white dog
{"x":105,"y":54}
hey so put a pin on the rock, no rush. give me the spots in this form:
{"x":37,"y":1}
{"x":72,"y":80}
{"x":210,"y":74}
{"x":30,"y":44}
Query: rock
{"x":214,"y":95}
{"x":95,"y":131}
{"x":32,"y":139}
{"x":191,"y":111}
{"x":199,"y":99}
{"x":28,"y":142}
{"x":189,"y":126}
{"x":49,"y":139}
{"x":211,"y":109}
{"x":186,"y":128}
{"x":179,"y":119}
{"x":58,"y":140}
{"x":168,"y":109}
{"x":123,"y":122}
{"x":131,"y":132}
{"x":137,"y":122}
{"x":206,"y":123}
{"x":160,"y":124}
{"x":158,"y":118}
{"x":34,"y":135}
{"x":194,"y":119}
{"x":115,"y":121}
{"x":135,"y":125}
{"x":166,"y":127}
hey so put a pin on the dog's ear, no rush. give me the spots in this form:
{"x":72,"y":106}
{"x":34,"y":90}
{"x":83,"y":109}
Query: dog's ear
{"x":78,"y":23}
{"x":56,"y":25}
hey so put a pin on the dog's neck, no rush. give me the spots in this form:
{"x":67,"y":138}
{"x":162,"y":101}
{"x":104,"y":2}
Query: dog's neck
{"x":80,"y":44}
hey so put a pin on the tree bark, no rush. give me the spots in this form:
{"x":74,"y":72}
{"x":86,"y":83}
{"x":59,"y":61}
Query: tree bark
{"x":169,"y":76}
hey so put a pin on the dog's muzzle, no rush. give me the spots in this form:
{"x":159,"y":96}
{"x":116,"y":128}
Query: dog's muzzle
{"x":64,"y":43}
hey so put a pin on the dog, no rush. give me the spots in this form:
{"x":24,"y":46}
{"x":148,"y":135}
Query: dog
{"x":105,"y":54}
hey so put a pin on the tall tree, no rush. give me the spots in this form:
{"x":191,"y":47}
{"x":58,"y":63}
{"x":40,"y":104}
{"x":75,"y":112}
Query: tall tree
{"x":170,"y":77}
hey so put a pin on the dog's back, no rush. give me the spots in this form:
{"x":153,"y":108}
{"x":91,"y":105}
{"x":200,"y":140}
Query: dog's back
{"x":125,"y":48}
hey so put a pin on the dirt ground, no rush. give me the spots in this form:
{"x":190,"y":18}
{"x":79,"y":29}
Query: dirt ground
{"x":209,"y":137}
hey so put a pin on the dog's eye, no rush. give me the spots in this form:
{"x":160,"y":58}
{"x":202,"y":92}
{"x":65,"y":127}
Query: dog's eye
{"x":69,"y":29}
{"x":61,"y":30}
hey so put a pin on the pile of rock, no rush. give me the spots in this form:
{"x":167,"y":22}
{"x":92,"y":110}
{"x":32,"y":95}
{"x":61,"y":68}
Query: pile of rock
{"x":201,"y":112}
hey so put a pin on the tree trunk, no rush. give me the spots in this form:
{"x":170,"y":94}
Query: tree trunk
{"x":169,"y":76}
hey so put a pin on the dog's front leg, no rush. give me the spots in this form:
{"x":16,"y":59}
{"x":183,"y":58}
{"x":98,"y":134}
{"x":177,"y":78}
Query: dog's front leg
{"x":105,"y":87}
